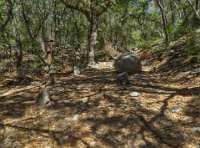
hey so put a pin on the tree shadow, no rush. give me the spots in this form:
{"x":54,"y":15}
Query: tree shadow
{"x":107,"y":109}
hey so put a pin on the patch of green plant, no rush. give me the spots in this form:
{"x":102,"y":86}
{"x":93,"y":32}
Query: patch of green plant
{"x":33,"y":64}
{"x":144,"y":45}
{"x":192,"y":50}
{"x":182,"y":28}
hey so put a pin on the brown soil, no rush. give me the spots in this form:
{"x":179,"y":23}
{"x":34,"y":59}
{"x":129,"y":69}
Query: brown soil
{"x":93,"y":110}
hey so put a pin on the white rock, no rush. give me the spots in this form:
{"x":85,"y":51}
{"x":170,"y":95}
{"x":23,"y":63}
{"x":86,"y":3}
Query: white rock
{"x":84,"y":100}
{"x":76,"y":71}
{"x":75,"y":117}
{"x":176,"y":109}
{"x":93,"y":143}
{"x":151,"y":84}
{"x":196,"y":129}
{"x":134,"y":94}
{"x":167,"y":95}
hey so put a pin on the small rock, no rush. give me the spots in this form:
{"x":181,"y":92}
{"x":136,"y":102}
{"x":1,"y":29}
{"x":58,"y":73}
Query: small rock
{"x":134,"y":94}
{"x":185,"y":136}
{"x":16,"y":144}
{"x":196,"y":129}
{"x":136,"y":74}
{"x":112,"y":105}
{"x":122,"y":78}
{"x":35,"y":83}
{"x":144,"y":62}
{"x":76,"y":71}
{"x":75,"y":117}
{"x":93,"y":143}
{"x":90,"y":103}
{"x":2,"y":131}
{"x":196,"y":71}
{"x":84,"y":100}
{"x":167,"y":95}
{"x":52,"y":71}
{"x":151,"y":84}
{"x":176,"y":109}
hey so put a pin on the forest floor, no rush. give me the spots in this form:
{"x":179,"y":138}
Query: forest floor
{"x":94,"y":110}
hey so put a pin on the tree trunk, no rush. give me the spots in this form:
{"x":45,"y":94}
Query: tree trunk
{"x":194,"y":9}
{"x":92,"y":37}
{"x":197,"y":5}
{"x":164,"y":20}
{"x":18,"y":53}
{"x":50,"y":58}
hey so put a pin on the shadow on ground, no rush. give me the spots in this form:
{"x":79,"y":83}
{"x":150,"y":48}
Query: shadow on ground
{"x":93,"y":110}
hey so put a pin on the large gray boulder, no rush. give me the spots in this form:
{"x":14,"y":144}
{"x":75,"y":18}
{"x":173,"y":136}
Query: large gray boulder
{"x":128,"y":63}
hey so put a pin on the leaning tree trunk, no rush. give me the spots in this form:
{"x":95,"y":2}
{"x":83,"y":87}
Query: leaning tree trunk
{"x":92,"y":37}
{"x":194,"y":9}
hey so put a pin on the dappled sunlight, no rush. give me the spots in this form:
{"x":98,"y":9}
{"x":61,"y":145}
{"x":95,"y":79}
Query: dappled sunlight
{"x":94,"y":110}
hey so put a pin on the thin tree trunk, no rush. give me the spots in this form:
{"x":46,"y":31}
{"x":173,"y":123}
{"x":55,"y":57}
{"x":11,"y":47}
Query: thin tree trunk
{"x":18,"y":53}
{"x":50,"y":58}
{"x":164,"y":20}
{"x":197,"y":5}
{"x":92,"y":36}
{"x":194,"y":9}
{"x":178,"y":8}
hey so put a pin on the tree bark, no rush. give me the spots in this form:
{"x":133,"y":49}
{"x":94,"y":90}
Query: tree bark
{"x":92,"y":16}
{"x":197,"y":5}
{"x":164,"y":20}
{"x":92,"y":37}
{"x":18,"y":53}
{"x":194,"y":9}
{"x":49,"y":46}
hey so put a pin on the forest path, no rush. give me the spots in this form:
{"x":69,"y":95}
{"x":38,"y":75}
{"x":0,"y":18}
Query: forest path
{"x":93,"y":110}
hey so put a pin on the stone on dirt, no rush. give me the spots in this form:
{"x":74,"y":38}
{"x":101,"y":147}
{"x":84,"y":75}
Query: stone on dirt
{"x":76,"y":71}
{"x":122,"y":78}
{"x":176,"y":109}
{"x":43,"y":98}
{"x":196,"y":129}
{"x":128,"y":63}
{"x":134,"y":94}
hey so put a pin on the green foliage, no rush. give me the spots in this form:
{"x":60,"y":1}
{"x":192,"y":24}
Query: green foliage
{"x":144,"y":45}
{"x":192,"y":50}
{"x":33,"y":64}
{"x":126,"y":24}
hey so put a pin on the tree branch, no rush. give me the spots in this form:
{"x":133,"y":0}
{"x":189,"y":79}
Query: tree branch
{"x":9,"y":14}
{"x":105,"y":8}
{"x":77,"y":8}
{"x":194,"y":9}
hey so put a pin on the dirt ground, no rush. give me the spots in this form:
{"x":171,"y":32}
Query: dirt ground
{"x":93,"y":110}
